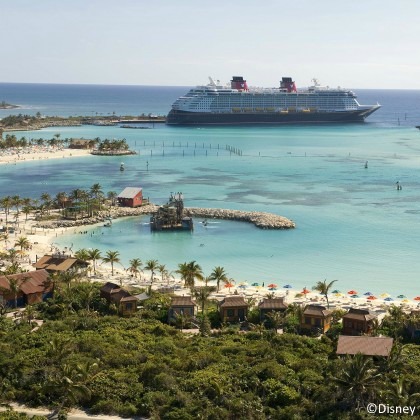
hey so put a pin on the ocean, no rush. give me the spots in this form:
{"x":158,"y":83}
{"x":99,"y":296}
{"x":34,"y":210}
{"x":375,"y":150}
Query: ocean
{"x":352,"y":223}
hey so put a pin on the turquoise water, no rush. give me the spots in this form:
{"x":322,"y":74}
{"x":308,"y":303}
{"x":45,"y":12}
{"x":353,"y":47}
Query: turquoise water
{"x":352,"y":223}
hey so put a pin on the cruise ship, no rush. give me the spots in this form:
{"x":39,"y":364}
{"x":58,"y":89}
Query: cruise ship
{"x":238,"y":104}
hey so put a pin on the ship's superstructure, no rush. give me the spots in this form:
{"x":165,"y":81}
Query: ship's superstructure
{"x":171,"y":216}
{"x":238,"y":104}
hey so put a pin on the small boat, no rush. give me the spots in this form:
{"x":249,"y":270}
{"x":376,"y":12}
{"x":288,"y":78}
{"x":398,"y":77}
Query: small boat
{"x":122,"y":166}
{"x":366,"y":165}
{"x":107,"y":224}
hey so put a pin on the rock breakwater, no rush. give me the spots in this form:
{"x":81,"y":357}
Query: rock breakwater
{"x":259,"y":219}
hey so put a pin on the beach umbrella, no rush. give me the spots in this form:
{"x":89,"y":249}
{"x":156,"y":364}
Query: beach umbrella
{"x":352,"y":292}
{"x":368,"y":294}
{"x":336,"y":291}
{"x":401,"y":297}
{"x":405,"y":301}
{"x":242,"y":286}
{"x":338,"y":294}
{"x":417,"y":298}
{"x":384,"y":295}
{"x":228,"y":286}
{"x":354,"y":296}
{"x":305,"y":291}
{"x":272,"y":286}
{"x":371,"y":297}
{"x":255,"y":284}
{"x":389,"y":299}
{"x":287,"y":286}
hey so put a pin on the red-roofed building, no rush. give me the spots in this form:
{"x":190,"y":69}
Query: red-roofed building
{"x":32,"y":287}
{"x":130,"y":197}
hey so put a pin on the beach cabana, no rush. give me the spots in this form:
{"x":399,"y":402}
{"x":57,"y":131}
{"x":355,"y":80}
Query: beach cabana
{"x":33,"y":287}
{"x":123,"y":300}
{"x":358,"y":322}
{"x":271,"y":305}
{"x":181,"y":305}
{"x":316,"y":318}
{"x":233,"y":309}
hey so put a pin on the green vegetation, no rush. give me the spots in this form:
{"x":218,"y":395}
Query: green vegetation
{"x":86,"y":356}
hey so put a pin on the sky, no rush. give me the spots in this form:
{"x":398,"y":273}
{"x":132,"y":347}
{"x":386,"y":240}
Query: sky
{"x":353,"y":44}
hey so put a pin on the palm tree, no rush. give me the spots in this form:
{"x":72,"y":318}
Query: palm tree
{"x":152,"y":266}
{"x":202,"y":295}
{"x":96,"y":190}
{"x":112,"y":195}
{"x":94,"y":255}
{"x":218,"y":274}
{"x":162,"y":270}
{"x":323,"y":288}
{"x":398,"y":393}
{"x":82,"y":254}
{"x":358,"y":380}
{"x":112,"y":257}
{"x":189,"y":272}
{"x":26,"y":210}
{"x":46,"y":198}
{"x":23,"y":243}
{"x":295,"y":311}
{"x":275,"y":319}
{"x":135,"y":266}
{"x":6,"y":203}
{"x":61,"y":199}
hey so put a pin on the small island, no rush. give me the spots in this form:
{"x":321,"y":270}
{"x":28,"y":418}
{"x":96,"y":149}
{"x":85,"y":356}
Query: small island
{"x":5,"y":105}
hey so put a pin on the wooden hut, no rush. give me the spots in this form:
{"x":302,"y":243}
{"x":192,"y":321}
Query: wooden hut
{"x":59,"y":263}
{"x":358,"y":322}
{"x":181,"y":305}
{"x":271,"y":305}
{"x":123,"y":300}
{"x":130,"y":197}
{"x":32,"y":287}
{"x":233,"y":309}
{"x":316,"y":318}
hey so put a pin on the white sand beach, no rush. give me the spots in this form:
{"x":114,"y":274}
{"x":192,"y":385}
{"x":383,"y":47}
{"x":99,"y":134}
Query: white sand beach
{"x":32,"y":153}
{"x":42,"y":242}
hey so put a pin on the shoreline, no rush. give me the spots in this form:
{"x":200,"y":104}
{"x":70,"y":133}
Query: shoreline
{"x":42,"y":242}
{"x":32,"y":153}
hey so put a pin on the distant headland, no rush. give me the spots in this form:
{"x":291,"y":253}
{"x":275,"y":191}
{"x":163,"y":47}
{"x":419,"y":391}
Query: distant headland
{"x":5,"y":105}
{"x":23,"y":122}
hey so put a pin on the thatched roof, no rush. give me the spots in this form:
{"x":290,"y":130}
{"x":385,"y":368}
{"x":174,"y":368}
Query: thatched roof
{"x":316,"y":310}
{"x":182,"y":301}
{"x":276,"y":303}
{"x":359,"y":315}
{"x":233,"y":302}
